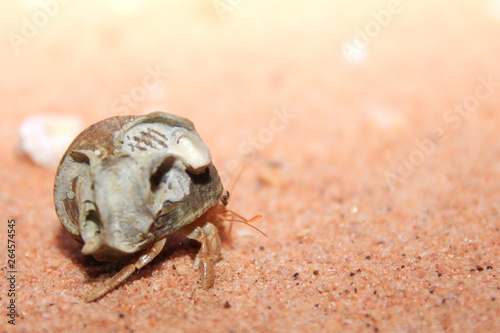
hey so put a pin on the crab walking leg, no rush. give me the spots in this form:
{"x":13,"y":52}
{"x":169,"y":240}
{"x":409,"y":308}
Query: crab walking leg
{"x":209,"y":253}
{"x":127,"y":271}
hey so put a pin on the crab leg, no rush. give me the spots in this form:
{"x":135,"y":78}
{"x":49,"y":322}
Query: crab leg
{"x":127,"y":271}
{"x":209,"y":253}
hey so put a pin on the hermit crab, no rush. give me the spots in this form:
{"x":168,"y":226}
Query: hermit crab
{"x":127,"y":182}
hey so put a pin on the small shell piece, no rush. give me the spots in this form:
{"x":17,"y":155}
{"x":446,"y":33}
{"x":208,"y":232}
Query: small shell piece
{"x":44,"y":137}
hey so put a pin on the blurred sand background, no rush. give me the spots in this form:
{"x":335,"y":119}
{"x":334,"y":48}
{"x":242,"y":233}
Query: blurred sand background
{"x":370,"y":135}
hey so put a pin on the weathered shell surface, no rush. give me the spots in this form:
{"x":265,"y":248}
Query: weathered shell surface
{"x":143,"y":177}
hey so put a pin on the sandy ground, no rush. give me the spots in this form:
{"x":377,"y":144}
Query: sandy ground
{"x":370,"y":135}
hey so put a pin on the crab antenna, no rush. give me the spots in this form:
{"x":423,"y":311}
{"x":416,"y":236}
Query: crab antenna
{"x":242,"y":220}
{"x":231,"y":191}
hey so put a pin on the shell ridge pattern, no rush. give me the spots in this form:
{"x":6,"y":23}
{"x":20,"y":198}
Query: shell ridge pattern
{"x":146,"y":137}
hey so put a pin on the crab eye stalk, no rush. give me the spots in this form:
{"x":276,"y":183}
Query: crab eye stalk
{"x":224,"y":198}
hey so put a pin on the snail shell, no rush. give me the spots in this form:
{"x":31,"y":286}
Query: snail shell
{"x":128,"y":181}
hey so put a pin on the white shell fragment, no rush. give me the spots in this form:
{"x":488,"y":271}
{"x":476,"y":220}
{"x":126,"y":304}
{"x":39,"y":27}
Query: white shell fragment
{"x":45,"y":137}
